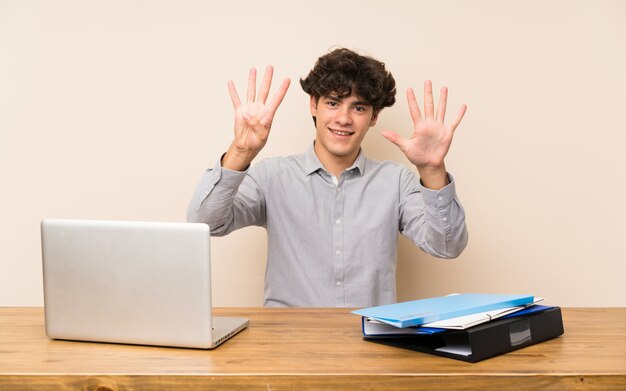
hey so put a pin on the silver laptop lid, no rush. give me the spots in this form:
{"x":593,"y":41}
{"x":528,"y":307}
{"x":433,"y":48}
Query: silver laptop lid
{"x":127,"y":282}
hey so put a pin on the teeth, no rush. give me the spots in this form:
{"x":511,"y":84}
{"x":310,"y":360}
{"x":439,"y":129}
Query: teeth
{"x":341,"y":133}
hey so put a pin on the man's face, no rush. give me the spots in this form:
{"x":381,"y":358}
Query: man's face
{"x":341,"y":125}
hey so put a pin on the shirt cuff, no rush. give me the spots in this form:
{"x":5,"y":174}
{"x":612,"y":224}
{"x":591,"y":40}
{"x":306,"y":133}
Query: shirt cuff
{"x":228,"y":178}
{"x":442,"y":198}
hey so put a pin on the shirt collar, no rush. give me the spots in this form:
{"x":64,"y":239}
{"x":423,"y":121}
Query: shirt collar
{"x":312,"y":162}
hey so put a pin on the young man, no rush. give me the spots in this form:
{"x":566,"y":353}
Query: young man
{"x":332,"y":215}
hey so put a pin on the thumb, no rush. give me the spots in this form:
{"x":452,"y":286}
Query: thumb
{"x":394,"y":138}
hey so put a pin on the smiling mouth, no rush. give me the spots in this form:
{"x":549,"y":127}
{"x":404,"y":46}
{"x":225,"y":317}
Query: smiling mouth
{"x":341,"y":132}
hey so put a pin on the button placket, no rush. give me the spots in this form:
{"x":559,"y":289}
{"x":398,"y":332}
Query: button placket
{"x":337,"y":229}
{"x":443,"y":213}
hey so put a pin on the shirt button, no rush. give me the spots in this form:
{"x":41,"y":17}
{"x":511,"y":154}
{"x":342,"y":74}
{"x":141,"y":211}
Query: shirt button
{"x":445,"y":219}
{"x":339,"y":189}
{"x":339,"y":283}
{"x":338,"y":252}
{"x":440,"y":198}
{"x":338,"y":221}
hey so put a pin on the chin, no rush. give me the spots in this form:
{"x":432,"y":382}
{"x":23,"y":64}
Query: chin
{"x":342,"y":152}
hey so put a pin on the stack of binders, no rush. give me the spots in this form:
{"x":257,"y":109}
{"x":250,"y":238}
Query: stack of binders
{"x":469,"y":327}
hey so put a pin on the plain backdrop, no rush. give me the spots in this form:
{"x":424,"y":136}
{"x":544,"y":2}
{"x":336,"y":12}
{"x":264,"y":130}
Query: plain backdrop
{"x":113,"y":109}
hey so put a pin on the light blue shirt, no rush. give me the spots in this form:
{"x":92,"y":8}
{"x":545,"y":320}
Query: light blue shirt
{"x":331,"y":244}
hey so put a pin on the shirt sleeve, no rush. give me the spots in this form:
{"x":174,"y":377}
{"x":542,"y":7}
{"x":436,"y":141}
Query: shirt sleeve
{"x":432,"y":219}
{"x":227,"y":200}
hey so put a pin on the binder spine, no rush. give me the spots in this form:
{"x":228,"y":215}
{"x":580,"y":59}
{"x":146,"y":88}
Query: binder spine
{"x":515,"y":333}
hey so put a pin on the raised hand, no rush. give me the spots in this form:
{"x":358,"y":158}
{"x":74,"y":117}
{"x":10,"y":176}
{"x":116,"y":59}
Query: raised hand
{"x":431,"y":138}
{"x":253,"y":119}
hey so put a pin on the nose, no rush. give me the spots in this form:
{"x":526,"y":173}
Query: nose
{"x":343,"y":116}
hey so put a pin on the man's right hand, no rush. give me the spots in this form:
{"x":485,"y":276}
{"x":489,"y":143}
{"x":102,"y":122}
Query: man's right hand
{"x":253,"y":120}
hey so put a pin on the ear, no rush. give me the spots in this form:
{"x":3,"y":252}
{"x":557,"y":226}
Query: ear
{"x":313,"y":105}
{"x":374,"y":118}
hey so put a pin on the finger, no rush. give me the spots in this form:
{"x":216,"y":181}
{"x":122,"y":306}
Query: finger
{"x":279,"y":95}
{"x":251,"y":85}
{"x":234,"y":97}
{"x":265,"y":85}
{"x":414,"y":108}
{"x":459,"y":117}
{"x":441,"y":108}
{"x":395,"y":138}
{"x":429,"y":105}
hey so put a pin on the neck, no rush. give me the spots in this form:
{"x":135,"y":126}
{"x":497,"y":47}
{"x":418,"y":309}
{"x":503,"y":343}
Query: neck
{"x":333,"y":163}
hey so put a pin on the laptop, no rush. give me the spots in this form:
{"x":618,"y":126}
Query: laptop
{"x":141,"y":283}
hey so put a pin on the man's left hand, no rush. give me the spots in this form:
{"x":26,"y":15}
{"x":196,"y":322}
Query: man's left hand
{"x":431,"y":138}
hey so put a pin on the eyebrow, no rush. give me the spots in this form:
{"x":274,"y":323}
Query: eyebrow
{"x":355,"y":103}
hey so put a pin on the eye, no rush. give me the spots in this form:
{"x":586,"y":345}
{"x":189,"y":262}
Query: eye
{"x":360,"y":109}
{"x":332,"y":103}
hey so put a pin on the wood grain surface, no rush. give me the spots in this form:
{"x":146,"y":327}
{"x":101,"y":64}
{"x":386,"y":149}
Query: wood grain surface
{"x":309,"y":348}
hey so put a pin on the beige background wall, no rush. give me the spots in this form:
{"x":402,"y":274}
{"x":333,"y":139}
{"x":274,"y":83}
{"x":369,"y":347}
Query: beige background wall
{"x":112,"y":110}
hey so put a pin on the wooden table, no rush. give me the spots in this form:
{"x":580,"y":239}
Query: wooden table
{"x":309,"y":349}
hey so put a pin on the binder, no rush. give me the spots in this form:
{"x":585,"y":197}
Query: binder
{"x":486,"y":340}
{"x":418,"y":312}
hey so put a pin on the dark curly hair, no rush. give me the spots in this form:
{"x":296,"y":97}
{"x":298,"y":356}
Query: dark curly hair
{"x":344,"y":72}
